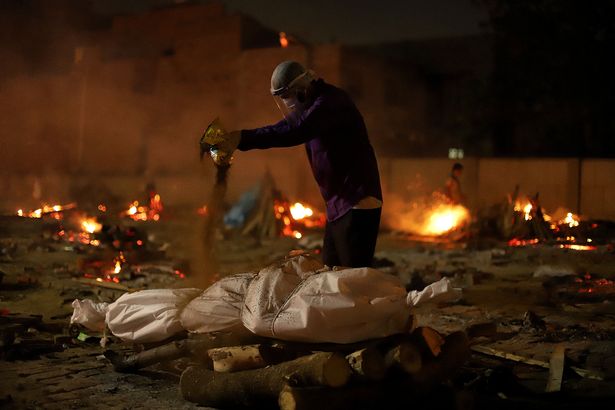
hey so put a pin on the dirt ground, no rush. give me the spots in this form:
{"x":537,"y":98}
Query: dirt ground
{"x":45,"y":366}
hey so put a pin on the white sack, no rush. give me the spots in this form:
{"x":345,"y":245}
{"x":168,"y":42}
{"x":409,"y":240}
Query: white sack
{"x":218,"y":307}
{"x":437,"y":292}
{"x":299,"y":301}
{"x":149,"y":315}
{"x":89,"y":314}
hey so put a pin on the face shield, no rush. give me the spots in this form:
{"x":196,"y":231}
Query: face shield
{"x":292,"y":99}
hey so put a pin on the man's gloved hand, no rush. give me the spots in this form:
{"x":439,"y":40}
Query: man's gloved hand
{"x":219,"y":145}
{"x":222,"y":152}
{"x":230,"y":141}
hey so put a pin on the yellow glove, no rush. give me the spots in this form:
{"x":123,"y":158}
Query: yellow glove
{"x":218,"y":143}
{"x":222,"y":152}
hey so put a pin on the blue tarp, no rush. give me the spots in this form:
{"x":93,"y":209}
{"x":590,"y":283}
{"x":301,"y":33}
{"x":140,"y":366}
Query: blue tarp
{"x":237,"y":215}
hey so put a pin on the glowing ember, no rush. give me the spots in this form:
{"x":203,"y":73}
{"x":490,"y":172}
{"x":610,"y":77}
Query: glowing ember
{"x":523,"y":242}
{"x":91,"y":225}
{"x":571,"y":220}
{"x":283,"y":40}
{"x":577,"y":247}
{"x":54,"y":211}
{"x":102,"y":208}
{"x":139,"y":212}
{"x":298,"y":211}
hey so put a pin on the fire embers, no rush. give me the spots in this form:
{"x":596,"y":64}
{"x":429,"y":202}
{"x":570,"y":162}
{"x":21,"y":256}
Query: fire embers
{"x":150,"y":212}
{"x":584,"y":288}
{"x":103,"y":271}
{"x":51,"y":211}
{"x":296,"y":218}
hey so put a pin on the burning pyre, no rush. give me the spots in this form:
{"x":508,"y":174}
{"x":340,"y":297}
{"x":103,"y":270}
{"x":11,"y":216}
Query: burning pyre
{"x":531,"y":225}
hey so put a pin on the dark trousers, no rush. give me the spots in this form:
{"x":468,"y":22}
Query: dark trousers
{"x":351,"y":240}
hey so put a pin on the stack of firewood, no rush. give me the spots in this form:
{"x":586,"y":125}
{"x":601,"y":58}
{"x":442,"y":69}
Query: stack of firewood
{"x":243,"y":370}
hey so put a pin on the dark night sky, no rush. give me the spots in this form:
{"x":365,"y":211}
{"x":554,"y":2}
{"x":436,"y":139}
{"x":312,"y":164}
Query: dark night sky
{"x":346,"y":21}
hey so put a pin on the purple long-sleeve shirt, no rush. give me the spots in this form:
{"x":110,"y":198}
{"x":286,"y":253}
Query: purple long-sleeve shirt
{"x":338,"y":148}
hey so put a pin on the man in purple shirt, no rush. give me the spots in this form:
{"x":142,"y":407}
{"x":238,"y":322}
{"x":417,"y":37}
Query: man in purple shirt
{"x":325,"y":119}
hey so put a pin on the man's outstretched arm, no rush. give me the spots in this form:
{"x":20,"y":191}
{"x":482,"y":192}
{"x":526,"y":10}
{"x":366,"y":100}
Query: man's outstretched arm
{"x":310,"y":125}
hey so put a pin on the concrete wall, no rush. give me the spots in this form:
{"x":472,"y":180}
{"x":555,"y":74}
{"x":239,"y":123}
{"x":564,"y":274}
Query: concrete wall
{"x":598,"y":188}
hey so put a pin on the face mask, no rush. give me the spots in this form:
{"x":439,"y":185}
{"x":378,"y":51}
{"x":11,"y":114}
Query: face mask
{"x":292,"y":100}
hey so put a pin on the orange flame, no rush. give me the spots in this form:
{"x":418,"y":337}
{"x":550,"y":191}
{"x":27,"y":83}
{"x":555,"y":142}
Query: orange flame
{"x":296,"y":216}
{"x":445,"y":218}
{"x":119,"y":260}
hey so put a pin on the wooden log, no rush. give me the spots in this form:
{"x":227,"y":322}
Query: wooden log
{"x":404,"y":356}
{"x":455,"y":351}
{"x":367,"y":364}
{"x":556,"y":369}
{"x":428,"y":340}
{"x":246,"y":357}
{"x":126,"y":364}
{"x":195,"y":347}
{"x":261,"y":386}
